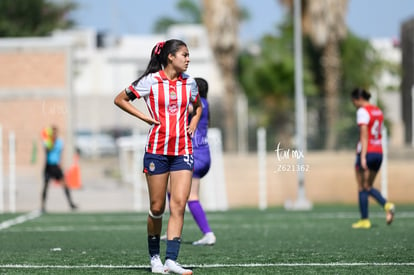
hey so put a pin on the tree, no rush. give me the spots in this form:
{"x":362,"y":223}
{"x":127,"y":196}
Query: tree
{"x":221,"y":19}
{"x":34,"y":17}
{"x":361,"y":64}
{"x":324,"y":22}
{"x":267,"y":77}
{"x":190,"y":10}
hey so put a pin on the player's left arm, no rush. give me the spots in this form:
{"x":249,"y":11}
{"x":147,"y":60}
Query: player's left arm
{"x":198,"y":109}
{"x":364,"y":144}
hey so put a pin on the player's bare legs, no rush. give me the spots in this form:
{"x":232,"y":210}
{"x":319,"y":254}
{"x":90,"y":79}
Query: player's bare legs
{"x":199,"y":215}
{"x":195,"y":188}
{"x":388,"y":206}
{"x":365,"y":180}
{"x":180,"y":184}
{"x":157,"y":186}
{"x":362,"y":181}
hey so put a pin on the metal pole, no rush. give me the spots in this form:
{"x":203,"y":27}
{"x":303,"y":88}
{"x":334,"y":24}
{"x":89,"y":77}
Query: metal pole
{"x":242,"y":118}
{"x":384,"y":168}
{"x":261,"y":155}
{"x":1,"y":172}
{"x":301,"y":202}
{"x":412,"y":116}
{"x":12,"y":172}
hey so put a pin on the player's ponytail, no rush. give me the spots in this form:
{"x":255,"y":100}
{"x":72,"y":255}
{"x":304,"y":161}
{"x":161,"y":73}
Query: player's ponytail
{"x":159,"y":56}
{"x":358,"y":93}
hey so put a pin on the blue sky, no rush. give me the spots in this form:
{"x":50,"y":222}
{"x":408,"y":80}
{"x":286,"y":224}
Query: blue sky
{"x":366,"y":18}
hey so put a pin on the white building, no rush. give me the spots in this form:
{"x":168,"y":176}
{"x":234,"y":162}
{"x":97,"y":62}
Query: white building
{"x":100,"y":73}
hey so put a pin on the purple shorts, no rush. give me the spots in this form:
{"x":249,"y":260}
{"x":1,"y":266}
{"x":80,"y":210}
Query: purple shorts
{"x":159,"y":164}
{"x":202,"y":162}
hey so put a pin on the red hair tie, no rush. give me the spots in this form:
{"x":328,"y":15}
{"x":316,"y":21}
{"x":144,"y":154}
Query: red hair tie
{"x":158,"y":47}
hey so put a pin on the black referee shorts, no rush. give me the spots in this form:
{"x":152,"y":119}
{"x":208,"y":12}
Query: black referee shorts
{"x":53,"y":171}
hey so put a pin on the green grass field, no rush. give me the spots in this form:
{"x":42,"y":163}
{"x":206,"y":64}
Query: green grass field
{"x":249,"y":241}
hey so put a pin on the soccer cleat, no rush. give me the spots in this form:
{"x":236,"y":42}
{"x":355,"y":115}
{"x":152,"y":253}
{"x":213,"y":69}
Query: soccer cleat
{"x":363,"y":224}
{"x":173,"y":267}
{"x":156,"y":265}
{"x":389,"y":212}
{"x":208,"y":239}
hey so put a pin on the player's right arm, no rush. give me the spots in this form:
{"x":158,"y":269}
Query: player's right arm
{"x":122,"y":100}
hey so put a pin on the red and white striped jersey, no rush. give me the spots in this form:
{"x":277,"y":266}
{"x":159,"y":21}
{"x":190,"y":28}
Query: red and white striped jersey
{"x":371,"y":116}
{"x":167,"y":102}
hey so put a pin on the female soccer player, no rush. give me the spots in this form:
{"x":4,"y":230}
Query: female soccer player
{"x":369,"y":156}
{"x":202,"y":162}
{"x":167,"y":92}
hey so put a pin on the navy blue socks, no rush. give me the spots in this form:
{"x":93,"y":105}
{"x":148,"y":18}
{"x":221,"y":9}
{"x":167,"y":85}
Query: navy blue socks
{"x":154,"y":245}
{"x":363,"y":204}
{"x":377,"y":196}
{"x":173,"y":247}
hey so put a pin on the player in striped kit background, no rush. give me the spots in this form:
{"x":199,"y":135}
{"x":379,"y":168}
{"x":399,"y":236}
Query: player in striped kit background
{"x":167,"y":92}
{"x":370,"y":120}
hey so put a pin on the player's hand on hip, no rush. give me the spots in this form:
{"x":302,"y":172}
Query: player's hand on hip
{"x":152,"y":121}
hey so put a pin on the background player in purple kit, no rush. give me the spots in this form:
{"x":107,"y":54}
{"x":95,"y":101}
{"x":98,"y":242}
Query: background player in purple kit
{"x":202,"y":162}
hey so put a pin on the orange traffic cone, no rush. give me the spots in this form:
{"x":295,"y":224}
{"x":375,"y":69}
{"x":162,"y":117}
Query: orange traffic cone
{"x":72,"y":175}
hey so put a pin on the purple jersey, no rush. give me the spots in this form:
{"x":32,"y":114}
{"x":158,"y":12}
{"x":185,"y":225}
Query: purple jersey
{"x":201,"y":150}
{"x":200,"y":138}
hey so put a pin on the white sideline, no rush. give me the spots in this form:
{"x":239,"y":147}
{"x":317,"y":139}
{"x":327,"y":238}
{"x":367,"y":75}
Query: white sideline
{"x":20,"y":219}
{"x":203,"y":265}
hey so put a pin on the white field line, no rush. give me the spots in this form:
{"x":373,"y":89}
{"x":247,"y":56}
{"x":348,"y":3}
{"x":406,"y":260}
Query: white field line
{"x":20,"y":219}
{"x":218,"y":216}
{"x":61,"y":228}
{"x":91,"y":226}
{"x":27,"y":266}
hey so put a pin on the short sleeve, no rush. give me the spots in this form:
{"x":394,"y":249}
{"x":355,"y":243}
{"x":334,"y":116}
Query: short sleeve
{"x":362,"y":116}
{"x":194,"y":90}
{"x":143,"y":87}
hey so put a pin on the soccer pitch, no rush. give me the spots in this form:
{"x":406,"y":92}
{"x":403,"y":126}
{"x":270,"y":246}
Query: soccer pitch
{"x":249,"y":241}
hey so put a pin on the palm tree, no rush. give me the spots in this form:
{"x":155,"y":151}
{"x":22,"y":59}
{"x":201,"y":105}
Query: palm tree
{"x":190,"y":13}
{"x":221,"y":18}
{"x":324,"y":22}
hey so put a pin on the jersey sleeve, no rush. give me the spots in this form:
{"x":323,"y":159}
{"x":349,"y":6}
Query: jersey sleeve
{"x":194,"y":90}
{"x":362,"y":116}
{"x":140,"y":89}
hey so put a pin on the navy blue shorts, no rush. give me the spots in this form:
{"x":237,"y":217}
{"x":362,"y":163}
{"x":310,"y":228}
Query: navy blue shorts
{"x":202,"y":162}
{"x":159,"y":164}
{"x":374,"y":161}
